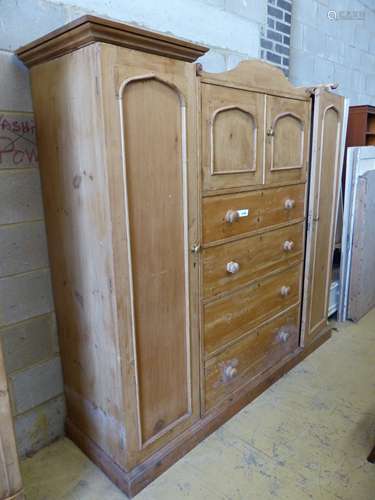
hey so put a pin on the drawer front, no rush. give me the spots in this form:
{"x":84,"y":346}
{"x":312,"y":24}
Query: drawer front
{"x":228,"y":318}
{"x":287,"y":145}
{"x":250,"y":356}
{"x":233,"y":264}
{"x":227,"y":216}
{"x":232,"y":137}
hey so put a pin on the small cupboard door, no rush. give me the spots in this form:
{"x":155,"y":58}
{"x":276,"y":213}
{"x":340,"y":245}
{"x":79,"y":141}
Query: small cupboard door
{"x":232,"y":137}
{"x":324,"y":188}
{"x":157,"y":115}
{"x":287,"y":139}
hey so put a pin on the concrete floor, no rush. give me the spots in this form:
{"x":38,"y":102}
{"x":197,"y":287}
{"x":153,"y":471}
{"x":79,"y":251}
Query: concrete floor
{"x":306,"y":437}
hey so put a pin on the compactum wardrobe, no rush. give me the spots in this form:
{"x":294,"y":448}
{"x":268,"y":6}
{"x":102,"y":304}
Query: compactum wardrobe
{"x":190,"y":221}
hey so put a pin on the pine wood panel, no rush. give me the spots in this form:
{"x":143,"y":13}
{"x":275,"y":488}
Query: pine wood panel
{"x":74,"y":175}
{"x":322,"y":210}
{"x":250,"y":357}
{"x":266,"y":208}
{"x":256,"y":256}
{"x":120,"y":68}
{"x":322,"y":267}
{"x":287,"y":144}
{"x":232,"y":137}
{"x":233,"y":142}
{"x":10,"y":476}
{"x":229,"y":317}
{"x":259,"y":76}
{"x":154,"y":155}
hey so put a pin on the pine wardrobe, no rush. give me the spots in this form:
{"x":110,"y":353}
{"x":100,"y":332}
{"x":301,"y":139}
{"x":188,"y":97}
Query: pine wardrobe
{"x":190,"y":220}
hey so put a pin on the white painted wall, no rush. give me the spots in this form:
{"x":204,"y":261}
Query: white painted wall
{"x":230,"y":27}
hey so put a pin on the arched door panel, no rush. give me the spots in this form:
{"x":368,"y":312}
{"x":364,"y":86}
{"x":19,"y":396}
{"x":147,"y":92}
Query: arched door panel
{"x":287,"y":140}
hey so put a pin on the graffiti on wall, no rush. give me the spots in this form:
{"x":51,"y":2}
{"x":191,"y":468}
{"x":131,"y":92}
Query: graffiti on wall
{"x":17,"y":140}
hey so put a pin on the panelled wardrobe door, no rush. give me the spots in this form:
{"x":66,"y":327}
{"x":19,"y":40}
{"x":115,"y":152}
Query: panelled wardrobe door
{"x":232,"y":137}
{"x":325,"y":170}
{"x":157,"y":106}
{"x":287,"y":142}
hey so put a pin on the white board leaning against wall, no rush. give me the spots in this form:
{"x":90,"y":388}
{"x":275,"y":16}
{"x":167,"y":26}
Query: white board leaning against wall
{"x":358,"y":239}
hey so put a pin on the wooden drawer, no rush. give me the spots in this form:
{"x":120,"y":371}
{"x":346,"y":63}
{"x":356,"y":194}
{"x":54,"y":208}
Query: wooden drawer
{"x":233,"y":264}
{"x":251,"y":356}
{"x":227,"y":318}
{"x":227,"y":216}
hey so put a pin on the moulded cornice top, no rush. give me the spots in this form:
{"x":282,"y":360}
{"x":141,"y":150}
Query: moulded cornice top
{"x":90,"y":29}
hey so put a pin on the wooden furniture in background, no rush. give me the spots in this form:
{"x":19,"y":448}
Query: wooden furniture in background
{"x":176,"y":205}
{"x":360,"y":132}
{"x":361,"y":126}
{"x":10,"y":476}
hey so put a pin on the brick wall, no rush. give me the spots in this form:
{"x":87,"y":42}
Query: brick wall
{"x":275,"y":41}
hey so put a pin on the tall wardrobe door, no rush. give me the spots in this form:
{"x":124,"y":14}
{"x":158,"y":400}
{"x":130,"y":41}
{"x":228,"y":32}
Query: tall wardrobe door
{"x":154,"y":114}
{"x":325,"y":166}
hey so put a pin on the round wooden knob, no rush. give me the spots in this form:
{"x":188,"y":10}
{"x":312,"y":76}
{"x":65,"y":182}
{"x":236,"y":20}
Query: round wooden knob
{"x":289,"y":204}
{"x":285,"y":291}
{"x":230,"y":372}
{"x":231,"y":216}
{"x":288,"y":245}
{"x":283,"y":336}
{"x":233,"y":267}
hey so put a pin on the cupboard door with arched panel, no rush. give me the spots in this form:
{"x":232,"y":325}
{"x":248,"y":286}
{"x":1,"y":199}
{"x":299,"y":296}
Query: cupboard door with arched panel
{"x":232,"y":137}
{"x":287,"y":139}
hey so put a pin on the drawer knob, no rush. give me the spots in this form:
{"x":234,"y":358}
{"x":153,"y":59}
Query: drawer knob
{"x":288,"y":245}
{"x":285,"y":291}
{"x":231,"y":216}
{"x":230,"y":372}
{"x":233,"y":267}
{"x":289,"y":204}
{"x":283,"y":336}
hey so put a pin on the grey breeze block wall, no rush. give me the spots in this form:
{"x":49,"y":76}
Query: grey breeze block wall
{"x":333,"y":41}
{"x":27,"y":323}
{"x":234,"y":30}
